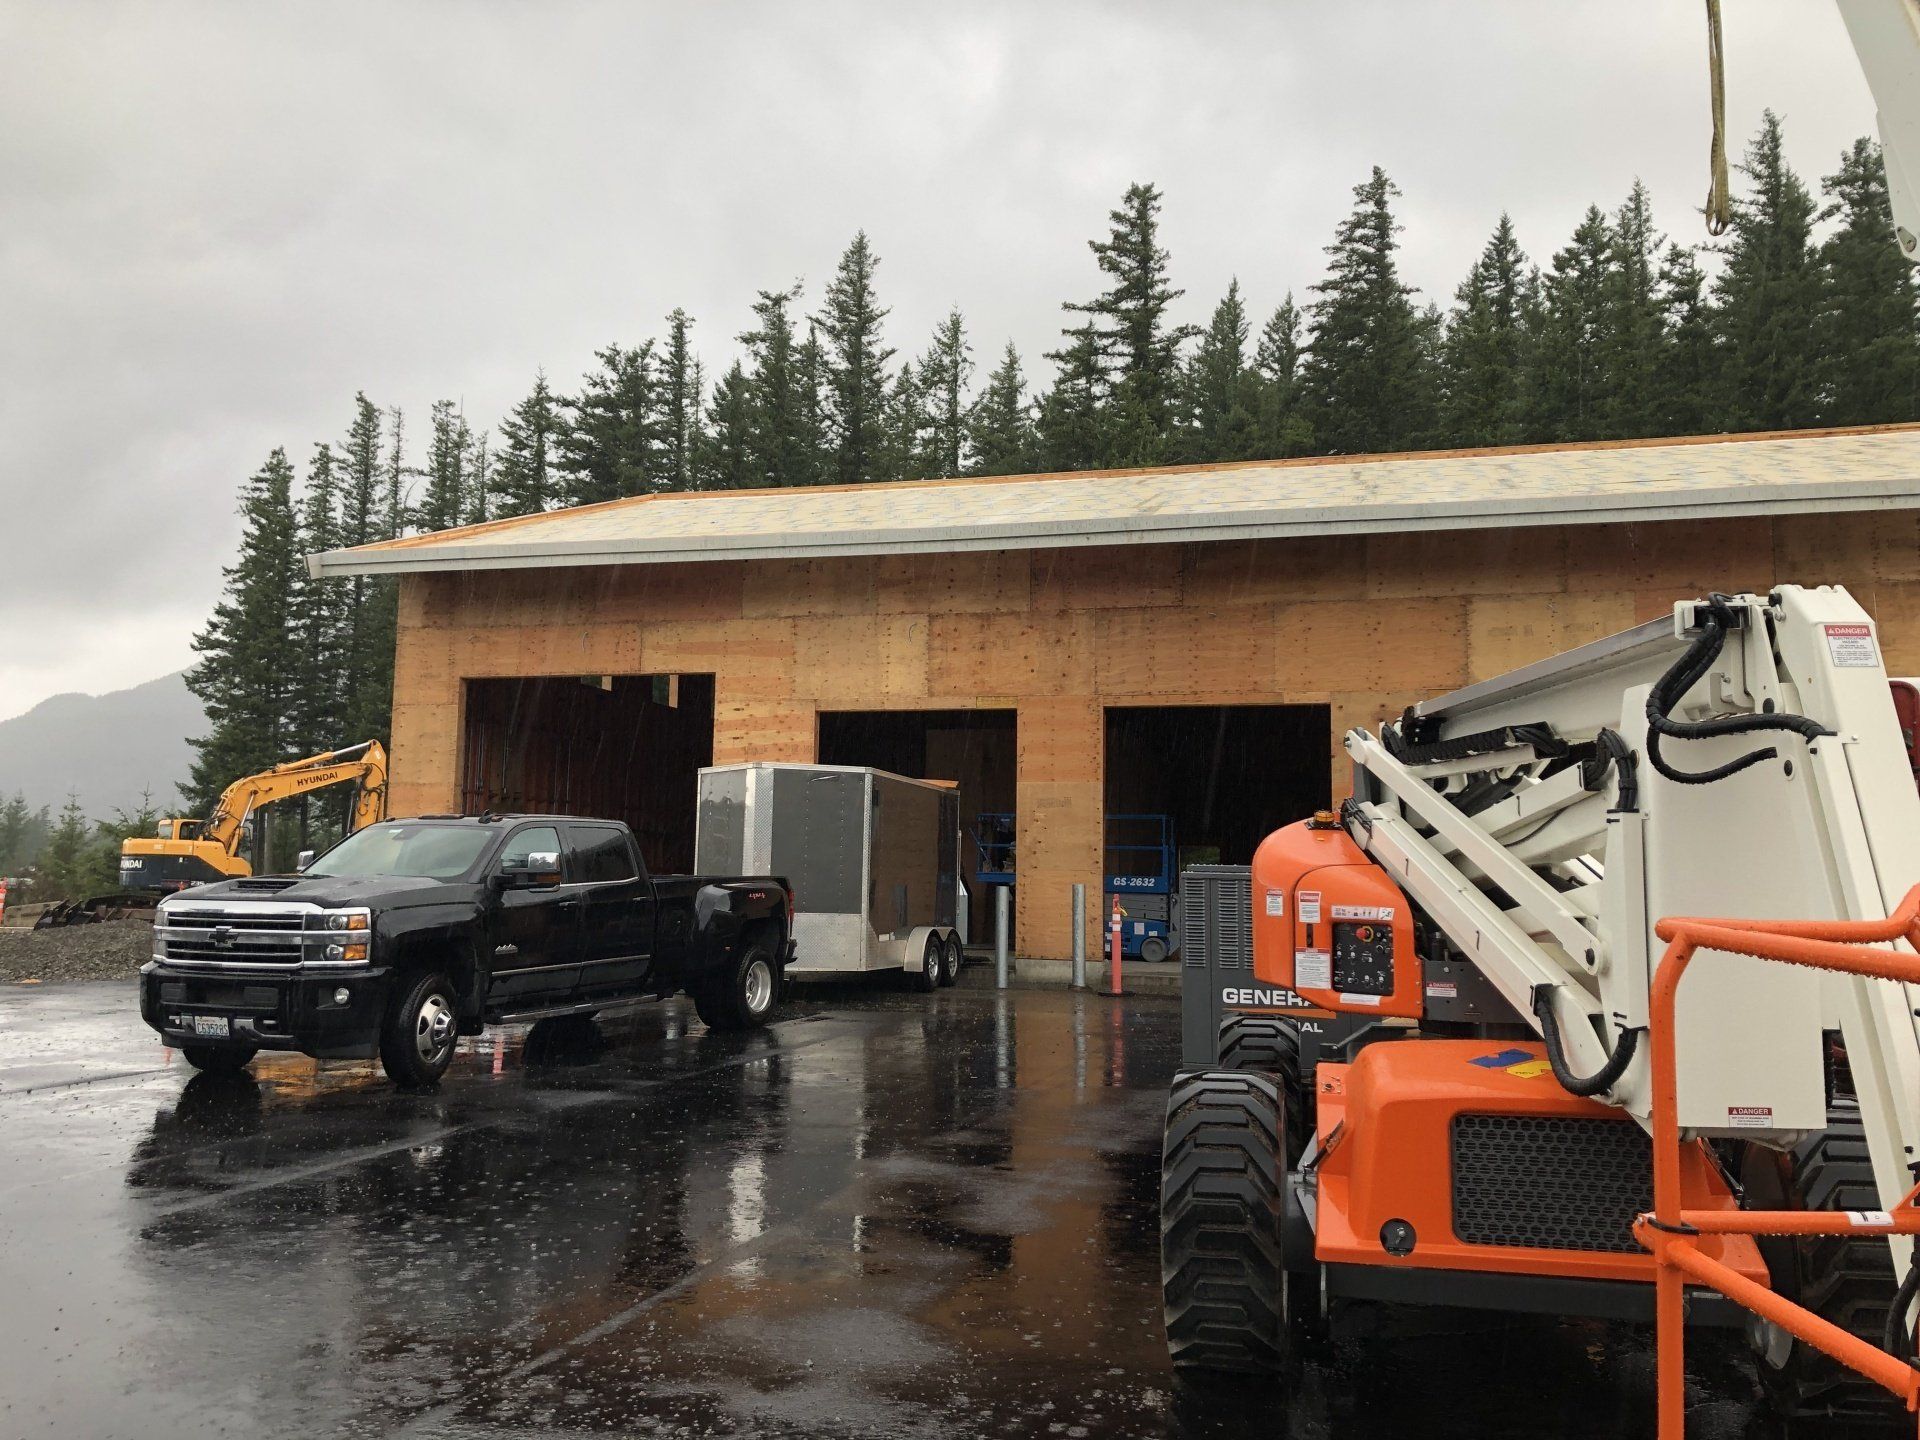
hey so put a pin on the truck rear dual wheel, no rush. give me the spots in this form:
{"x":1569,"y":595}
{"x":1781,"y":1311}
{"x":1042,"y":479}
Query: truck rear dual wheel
{"x":742,"y":995}
{"x":1846,"y":1279}
{"x":418,"y":1035}
{"x":1222,"y":1199}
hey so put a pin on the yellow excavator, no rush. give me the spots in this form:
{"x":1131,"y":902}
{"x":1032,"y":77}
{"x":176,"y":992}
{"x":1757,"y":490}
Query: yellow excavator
{"x":185,"y":852}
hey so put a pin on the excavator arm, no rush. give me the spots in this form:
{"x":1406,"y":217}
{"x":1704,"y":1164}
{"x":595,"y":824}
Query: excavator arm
{"x":364,"y":764}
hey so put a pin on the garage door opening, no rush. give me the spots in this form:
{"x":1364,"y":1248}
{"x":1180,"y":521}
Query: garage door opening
{"x":976,"y":748}
{"x":620,"y":747}
{"x":1203,"y":785}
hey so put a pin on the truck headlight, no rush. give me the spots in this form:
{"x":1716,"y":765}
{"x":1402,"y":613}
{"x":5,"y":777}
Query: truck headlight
{"x":347,"y":920}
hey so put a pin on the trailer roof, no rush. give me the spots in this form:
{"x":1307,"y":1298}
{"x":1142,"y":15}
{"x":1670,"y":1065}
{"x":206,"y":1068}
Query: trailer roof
{"x":1866,"y":468}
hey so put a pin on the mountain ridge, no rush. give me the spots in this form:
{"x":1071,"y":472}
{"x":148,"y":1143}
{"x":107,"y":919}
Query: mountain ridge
{"x":105,"y":749}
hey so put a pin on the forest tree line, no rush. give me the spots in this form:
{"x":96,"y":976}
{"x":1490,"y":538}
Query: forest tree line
{"x":1803,"y":314}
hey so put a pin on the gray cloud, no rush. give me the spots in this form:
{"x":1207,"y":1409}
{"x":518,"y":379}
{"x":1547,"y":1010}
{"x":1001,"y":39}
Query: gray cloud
{"x":219,"y":220}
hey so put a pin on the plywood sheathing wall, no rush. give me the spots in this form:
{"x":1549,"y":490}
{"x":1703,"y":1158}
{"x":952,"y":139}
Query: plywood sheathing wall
{"x":1365,"y":625}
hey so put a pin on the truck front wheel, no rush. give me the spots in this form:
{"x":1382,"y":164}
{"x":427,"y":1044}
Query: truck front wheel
{"x":417,"y":1039}
{"x":219,"y":1059}
{"x":742,"y":994}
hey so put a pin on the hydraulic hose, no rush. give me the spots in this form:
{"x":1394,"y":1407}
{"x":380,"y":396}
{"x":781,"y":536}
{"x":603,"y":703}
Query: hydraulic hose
{"x":1609,"y":744}
{"x":1603,"y":1079}
{"x":1682,"y":676}
{"x":1898,"y":1340}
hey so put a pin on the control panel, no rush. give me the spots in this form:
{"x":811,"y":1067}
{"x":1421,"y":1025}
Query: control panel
{"x":1363,"y":957}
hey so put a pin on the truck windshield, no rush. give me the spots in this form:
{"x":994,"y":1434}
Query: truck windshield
{"x":435,"y":852}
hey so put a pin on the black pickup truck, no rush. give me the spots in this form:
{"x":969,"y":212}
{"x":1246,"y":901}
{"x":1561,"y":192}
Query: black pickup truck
{"x":410,"y":933}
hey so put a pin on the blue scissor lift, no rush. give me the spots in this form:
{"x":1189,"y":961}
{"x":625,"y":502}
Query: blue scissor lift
{"x":1140,"y":866}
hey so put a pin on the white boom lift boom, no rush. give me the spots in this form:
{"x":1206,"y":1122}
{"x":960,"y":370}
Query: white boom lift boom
{"x":1745,"y":761}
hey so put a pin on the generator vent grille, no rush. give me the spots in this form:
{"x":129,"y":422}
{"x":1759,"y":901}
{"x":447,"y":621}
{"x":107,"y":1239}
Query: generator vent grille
{"x":1216,"y":916}
{"x":1550,"y":1182}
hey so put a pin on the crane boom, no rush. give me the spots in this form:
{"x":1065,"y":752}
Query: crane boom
{"x":1886,"y":40}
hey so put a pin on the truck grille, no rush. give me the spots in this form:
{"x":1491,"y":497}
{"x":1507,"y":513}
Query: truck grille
{"x":231,"y":936}
{"x":1550,"y":1182}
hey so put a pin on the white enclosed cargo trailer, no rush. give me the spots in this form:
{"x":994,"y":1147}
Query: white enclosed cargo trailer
{"x":873,"y":859}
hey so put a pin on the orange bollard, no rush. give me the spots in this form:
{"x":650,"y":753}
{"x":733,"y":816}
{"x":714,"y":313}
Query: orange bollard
{"x":1113,"y":929}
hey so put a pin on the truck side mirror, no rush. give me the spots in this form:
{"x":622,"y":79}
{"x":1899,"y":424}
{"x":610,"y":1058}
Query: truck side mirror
{"x":540,"y":868}
{"x":302,"y":861}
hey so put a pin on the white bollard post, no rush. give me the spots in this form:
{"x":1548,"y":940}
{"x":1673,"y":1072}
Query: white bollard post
{"x":1079,"y":936}
{"x":1002,"y":922}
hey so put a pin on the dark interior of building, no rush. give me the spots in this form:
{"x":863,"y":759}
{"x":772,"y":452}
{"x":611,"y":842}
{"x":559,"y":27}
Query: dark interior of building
{"x":623,"y":747}
{"x":1225,"y":775}
{"x":973,"y":747}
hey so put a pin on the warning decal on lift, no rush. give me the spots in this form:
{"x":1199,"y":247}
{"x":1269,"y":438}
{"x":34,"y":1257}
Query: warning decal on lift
{"x":1277,"y":903}
{"x":1750,"y":1117}
{"x":1868,"y":1217}
{"x":1309,"y":907}
{"x":1313,"y":969}
{"x":1851,"y":646}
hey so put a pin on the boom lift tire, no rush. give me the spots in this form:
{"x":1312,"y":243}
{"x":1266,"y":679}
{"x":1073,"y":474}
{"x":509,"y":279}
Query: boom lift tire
{"x":1845,"y":1279}
{"x":1271,"y":1045}
{"x":1222,"y":1198}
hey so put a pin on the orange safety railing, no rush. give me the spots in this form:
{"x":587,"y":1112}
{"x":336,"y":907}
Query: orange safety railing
{"x":1670,"y":1231}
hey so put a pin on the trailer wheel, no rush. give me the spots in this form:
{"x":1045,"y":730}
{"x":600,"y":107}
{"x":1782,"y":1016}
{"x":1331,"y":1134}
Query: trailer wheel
{"x":1848,"y":1280}
{"x":1222,"y":1198}
{"x":952,"y":957}
{"x":1271,"y":1045}
{"x":933,"y":962}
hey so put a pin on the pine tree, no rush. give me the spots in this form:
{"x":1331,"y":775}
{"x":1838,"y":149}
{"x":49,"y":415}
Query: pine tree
{"x":1222,"y":399}
{"x":679,"y":405}
{"x":1482,"y":379}
{"x":393,"y":522}
{"x":608,"y":442}
{"x":781,"y":448}
{"x":810,"y":363}
{"x":243,"y":677}
{"x":1568,"y":397}
{"x":1686,"y":378}
{"x":1000,"y":425}
{"x":1281,"y":421}
{"x":1073,"y":423}
{"x":23,"y":833}
{"x":944,"y":371}
{"x":1631,"y":341}
{"x":318,"y":617}
{"x":524,"y":479}
{"x":476,"y":507}
{"x":1136,"y":343}
{"x":443,"y":502}
{"x":723,"y":458}
{"x":856,"y":366}
{"x":69,"y":867}
{"x":368,"y":497}
{"x":1363,"y":380}
{"x":903,"y":419}
{"x":1768,"y":296}
{"x":1869,"y":336}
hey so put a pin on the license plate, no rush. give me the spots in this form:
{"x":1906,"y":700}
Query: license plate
{"x":211,"y":1026}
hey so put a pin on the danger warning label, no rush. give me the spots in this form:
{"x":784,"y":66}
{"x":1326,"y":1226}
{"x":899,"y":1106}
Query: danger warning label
{"x":1750,"y":1117}
{"x":1851,"y":646}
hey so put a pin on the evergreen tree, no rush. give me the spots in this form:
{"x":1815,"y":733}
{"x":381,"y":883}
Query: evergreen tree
{"x":609,"y":440}
{"x":1686,"y":378}
{"x":1136,"y":343}
{"x":479,"y":496}
{"x":524,"y":480}
{"x":1631,"y":342}
{"x":903,"y":452}
{"x":70,"y":866}
{"x":1000,"y":425}
{"x":782,"y":446}
{"x":1870,"y":340}
{"x":318,"y":618}
{"x":943,"y":373}
{"x":393,"y":520}
{"x":1363,"y":380}
{"x":243,"y":677}
{"x":1768,"y":294}
{"x":1482,"y":380}
{"x":1073,"y":424}
{"x":723,"y":457}
{"x":856,"y":367}
{"x":444,"y":500}
{"x":1568,"y":397}
{"x":23,"y":832}
{"x":811,"y":366}
{"x":1222,"y":399}
{"x":679,"y":405}
{"x":1282,"y":425}
{"x":364,"y":645}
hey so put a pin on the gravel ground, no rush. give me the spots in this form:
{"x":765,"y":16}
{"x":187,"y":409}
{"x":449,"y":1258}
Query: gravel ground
{"x":114,"y":950}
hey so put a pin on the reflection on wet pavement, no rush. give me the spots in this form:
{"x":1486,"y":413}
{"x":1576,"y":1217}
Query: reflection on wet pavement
{"x":889,"y":1214}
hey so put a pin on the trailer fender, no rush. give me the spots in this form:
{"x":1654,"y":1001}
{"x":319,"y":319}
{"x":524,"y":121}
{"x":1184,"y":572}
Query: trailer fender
{"x":914,"y":947}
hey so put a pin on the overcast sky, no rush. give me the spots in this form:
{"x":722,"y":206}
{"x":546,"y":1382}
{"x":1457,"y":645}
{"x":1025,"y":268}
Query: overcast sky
{"x":218,"y":221}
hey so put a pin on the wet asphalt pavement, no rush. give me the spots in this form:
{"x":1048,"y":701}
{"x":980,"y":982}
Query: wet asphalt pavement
{"x":887,"y":1215}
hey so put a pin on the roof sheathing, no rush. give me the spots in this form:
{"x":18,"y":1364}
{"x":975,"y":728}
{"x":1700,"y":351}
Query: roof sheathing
{"x":1866,"y":469}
